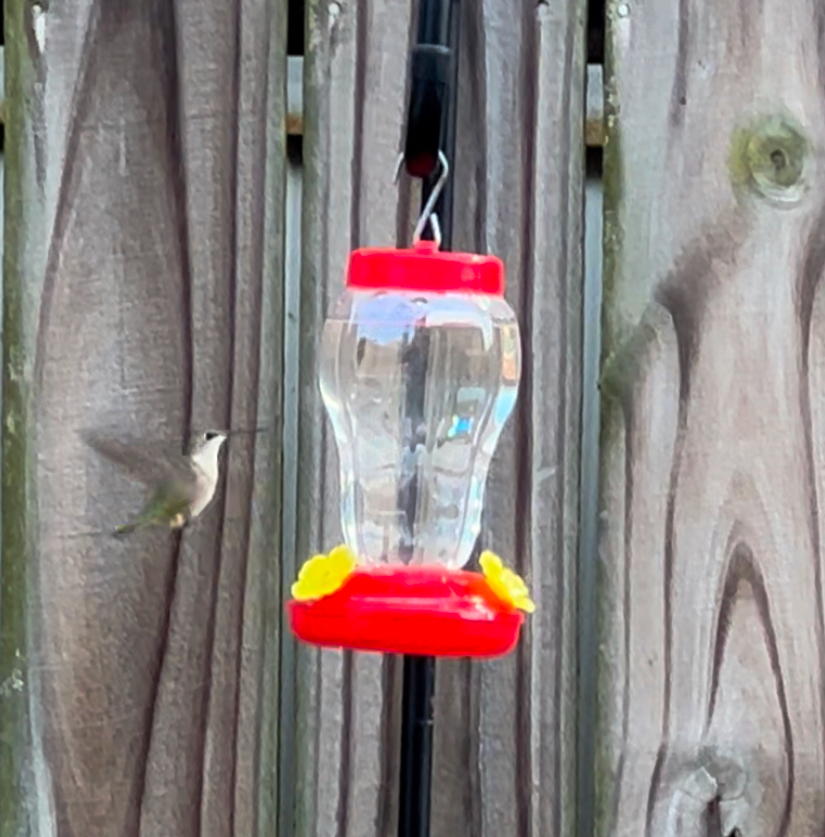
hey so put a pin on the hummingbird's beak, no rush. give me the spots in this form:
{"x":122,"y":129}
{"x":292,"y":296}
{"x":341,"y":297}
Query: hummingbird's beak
{"x":242,"y":430}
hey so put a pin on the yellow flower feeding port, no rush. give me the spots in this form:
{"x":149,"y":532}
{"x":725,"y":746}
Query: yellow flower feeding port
{"x":506,"y":584}
{"x":323,"y":574}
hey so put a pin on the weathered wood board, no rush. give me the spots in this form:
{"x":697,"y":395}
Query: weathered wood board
{"x":505,"y":738}
{"x":710,"y":575}
{"x":142,"y":290}
{"x":505,"y":758}
{"x":346,"y":706}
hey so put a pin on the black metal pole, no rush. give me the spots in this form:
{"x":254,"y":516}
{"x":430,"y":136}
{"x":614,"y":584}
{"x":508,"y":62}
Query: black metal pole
{"x":432,"y":110}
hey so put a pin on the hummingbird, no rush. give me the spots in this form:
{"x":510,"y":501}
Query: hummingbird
{"x":182,"y":484}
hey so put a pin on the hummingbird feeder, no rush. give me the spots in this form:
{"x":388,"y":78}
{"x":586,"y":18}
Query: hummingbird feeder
{"x":420,"y":362}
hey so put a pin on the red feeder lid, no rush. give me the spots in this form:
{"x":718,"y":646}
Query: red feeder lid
{"x":425,"y":268}
{"x":425,"y":610}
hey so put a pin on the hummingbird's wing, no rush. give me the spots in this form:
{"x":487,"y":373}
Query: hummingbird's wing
{"x":152,"y":464}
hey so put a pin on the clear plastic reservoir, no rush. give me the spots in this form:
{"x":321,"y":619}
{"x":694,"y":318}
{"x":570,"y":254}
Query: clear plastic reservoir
{"x":418,"y":386}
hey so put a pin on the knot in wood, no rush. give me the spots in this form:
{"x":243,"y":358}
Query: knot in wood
{"x":770,"y":157}
{"x":705,"y":775}
{"x":715,"y":775}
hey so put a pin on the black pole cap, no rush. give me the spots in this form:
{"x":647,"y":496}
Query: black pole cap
{"x":429,"y":81}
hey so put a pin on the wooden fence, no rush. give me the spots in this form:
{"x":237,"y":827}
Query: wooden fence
{"x":671,"y":680}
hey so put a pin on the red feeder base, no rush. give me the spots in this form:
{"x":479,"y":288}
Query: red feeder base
{"x":424,"y":610}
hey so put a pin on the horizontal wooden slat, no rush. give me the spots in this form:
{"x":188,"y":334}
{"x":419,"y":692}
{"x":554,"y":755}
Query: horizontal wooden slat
{"x":594,"y":113}
{"x":295,"y":95}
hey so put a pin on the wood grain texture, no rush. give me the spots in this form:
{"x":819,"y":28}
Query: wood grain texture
{"x":145,"y":179}
{"x":711,"y":617}
{"x":505,"y":761}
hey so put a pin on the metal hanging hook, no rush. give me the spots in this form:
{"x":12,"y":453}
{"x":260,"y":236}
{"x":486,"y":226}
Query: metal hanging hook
{"x":427,"y":213}
{"x":398,"y":167}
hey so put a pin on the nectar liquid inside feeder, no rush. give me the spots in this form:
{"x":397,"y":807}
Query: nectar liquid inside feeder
{"x":420,"y":362}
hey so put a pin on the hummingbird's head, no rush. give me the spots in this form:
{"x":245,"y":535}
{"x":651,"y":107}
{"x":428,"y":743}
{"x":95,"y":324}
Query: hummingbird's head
{"x":208,"y":444}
